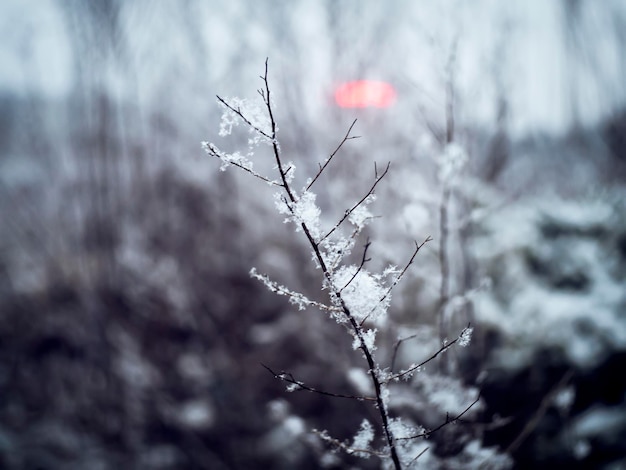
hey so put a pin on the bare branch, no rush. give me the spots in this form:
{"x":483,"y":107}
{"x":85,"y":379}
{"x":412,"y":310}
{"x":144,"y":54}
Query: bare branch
{"x":418,"y":247}
{"x":395,"y":349}
{"x":417,"y":456}
{"x":539,"y":413}
{"x":289,"y":378}
{"x":447,"y":421}
{"x":443,"y":348}
{"x":323,"y":167}
{"x":444,"y":263}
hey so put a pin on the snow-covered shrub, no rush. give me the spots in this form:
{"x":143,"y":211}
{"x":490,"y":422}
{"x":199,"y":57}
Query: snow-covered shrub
{"x":555,"y":329}
{"x":558,"y":279}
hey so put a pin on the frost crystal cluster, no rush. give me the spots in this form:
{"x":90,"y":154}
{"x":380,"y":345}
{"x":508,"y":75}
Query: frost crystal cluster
{"x":362,"y":292}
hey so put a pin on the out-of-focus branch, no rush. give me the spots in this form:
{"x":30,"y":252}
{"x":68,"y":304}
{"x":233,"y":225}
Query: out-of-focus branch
{"x":532,"y":423}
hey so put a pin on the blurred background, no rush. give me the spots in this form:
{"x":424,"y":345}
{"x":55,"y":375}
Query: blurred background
{"x":131,"y":334}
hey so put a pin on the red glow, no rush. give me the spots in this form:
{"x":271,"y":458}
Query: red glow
{"x":365,"y":93}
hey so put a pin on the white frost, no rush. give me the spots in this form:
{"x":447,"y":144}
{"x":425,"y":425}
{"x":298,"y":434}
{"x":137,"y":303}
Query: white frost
{"x":362,"y":292}
{"x":363,"y":439}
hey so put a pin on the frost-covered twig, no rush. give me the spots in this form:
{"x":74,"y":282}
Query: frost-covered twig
{"x":347,"y":448}
{"x":238,"y":112}
{"x":296,"y":385}
{"x":463,"y":339}
{"x":448,"y":420}
{"x":236,"y":160}
{"x":336,"y":296}
{"x":294,"y":297}
{"x":356,"y":295}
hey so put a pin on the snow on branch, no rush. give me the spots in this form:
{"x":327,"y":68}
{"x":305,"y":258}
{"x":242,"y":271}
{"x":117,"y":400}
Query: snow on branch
{"x":235,"y":159}
{"x":463,"y":340}
{"x":296,"y":385}
{"x":449,"y":420}
{"x":356,"y":296}
{"x":369,"y":197}
{"x":295,"y":298}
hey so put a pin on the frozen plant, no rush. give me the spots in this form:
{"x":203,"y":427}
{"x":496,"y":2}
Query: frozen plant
{"x":358,"y":299}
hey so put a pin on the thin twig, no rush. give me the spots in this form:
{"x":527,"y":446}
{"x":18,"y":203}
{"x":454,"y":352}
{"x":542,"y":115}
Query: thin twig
{"x":418,"y":247}
{"x":416,"y":367}
{"x":447,"y":421}
{"x":354,"y":207}
{"x":417,"y":456}
{"x":395,"y":349}
{"x":289,"y":378}
{"x":539,"y":413}
{"x":212,"y":150}
{"x":323,"y":167}
{"x":239,"y":113}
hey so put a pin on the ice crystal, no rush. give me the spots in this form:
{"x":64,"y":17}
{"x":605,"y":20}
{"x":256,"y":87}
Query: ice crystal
{"x":305,"y":211}
{"x":465,"y":337}
{"x":302,"y":211}
{"x":295,"y":298}
{"x":363,"y":439}
{"x":253,"y":111}
{"x":362,"y":293}
{"x":227,"y":159}
{"x":336,"y":250}
{"x":368,"y":337}
{"x":359,"y":216}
